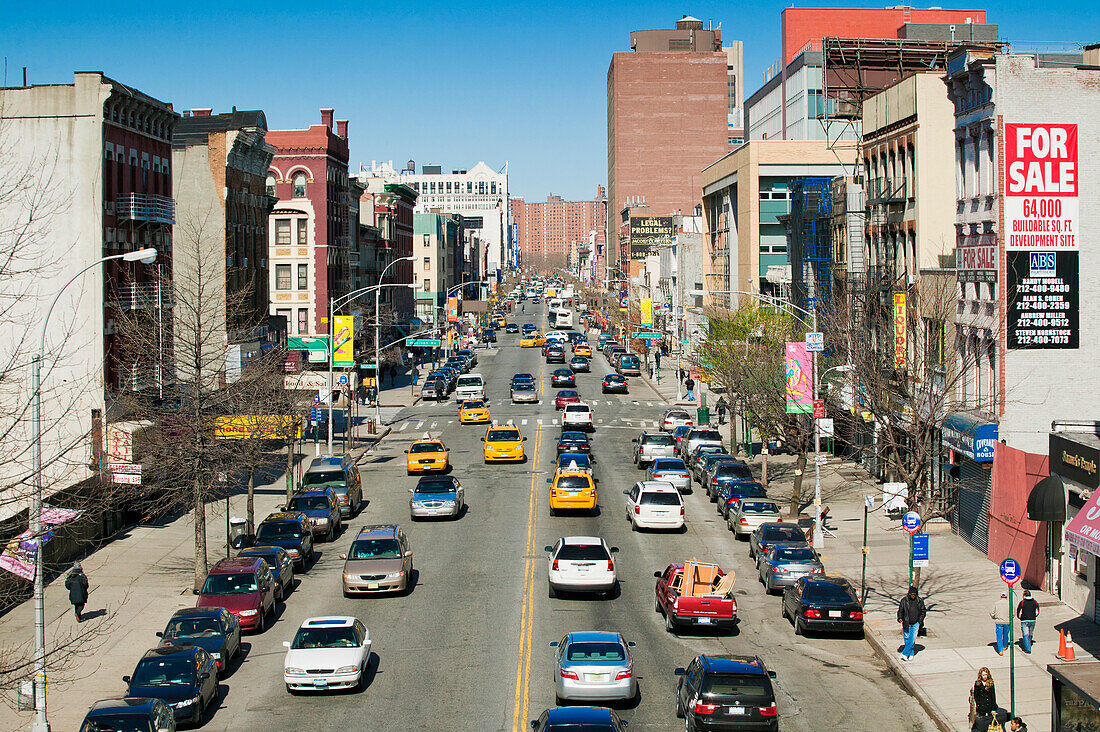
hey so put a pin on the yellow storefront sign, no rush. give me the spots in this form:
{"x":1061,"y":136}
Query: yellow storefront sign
{"x":257,"y":426}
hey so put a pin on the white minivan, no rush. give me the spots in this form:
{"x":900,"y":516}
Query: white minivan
{"x":654,"y":504}
{"x":470,"y":386}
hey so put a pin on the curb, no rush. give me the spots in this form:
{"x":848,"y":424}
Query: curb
{"x":653,"y":388}
{"x":938,"y":716}
{"x":375,"y":439}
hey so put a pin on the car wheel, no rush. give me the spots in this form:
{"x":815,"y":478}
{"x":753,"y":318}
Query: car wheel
{"x":798,"y":629}
{"x":633,"y":526}
{"x":550,"y":591}
{"x":261,"y":624}
{"x":656,"y":606}
{"x":752,"y":554}
{"x":783,"y":610}
{"x":669,"y":627}
{"x":279,"y":594}
{"x":679,"y":708}
{"x":289,"y":690}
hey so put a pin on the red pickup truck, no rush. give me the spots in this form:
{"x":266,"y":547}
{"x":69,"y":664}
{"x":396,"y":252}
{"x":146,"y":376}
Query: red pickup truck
{"x":697,"y":594}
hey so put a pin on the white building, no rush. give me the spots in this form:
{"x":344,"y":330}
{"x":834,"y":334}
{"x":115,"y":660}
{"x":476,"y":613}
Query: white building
{"x":480,"y":195}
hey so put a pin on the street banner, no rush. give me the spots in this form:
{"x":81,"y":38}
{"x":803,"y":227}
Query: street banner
{"x":343,"y":355}
{"x":1040,"y":187}
{"x":452,"y":309}
{"x":647,"y":312}
{"x":901,"y":348}
{"x":20,"y":555}
{"x":799,"y":374}
{"x":648,"y":234}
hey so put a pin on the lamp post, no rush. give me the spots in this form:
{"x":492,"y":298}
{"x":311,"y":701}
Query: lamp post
{"x":41,"y":724}
{"x":377,"y":341}
{"x":454,"y":288}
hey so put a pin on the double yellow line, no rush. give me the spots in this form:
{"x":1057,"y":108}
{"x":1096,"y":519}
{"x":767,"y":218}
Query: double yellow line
{"x":527,"y":608}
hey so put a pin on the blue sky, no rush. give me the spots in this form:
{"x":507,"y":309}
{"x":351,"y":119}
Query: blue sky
{"x":436,"y":82}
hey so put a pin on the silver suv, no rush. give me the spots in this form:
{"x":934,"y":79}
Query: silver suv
{"x":699,"y":436}
{"x":648,"y":446}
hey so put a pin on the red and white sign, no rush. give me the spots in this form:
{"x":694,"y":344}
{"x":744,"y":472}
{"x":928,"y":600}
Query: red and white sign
{"x":1040,"y":187}
{"x":126,"y":478}
{"x":981,"y":256}
{"x":128,"y":468}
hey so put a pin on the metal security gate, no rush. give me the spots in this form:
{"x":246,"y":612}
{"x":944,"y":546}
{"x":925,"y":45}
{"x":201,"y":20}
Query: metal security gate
{"x":970,"y":519}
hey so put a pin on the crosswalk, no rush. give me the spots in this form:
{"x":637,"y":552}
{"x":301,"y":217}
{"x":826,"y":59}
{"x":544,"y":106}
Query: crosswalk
{"x":622,"y":422}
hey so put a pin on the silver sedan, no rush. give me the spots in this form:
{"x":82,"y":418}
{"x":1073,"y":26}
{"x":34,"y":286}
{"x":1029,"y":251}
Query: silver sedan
{"x":594,"y":665}
{"x":437,"y":495}
{"x":782,"y":564}
{"x":671,"y":470}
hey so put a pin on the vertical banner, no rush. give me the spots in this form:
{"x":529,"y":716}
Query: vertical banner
{"x":343,"y":344}
{"x":647,"y":312}
{"x":452,"y":309}
{"x":901,"y":347}
{"x":800,"y":390}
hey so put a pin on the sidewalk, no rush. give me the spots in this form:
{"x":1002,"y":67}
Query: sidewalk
{"x":959,"y":588}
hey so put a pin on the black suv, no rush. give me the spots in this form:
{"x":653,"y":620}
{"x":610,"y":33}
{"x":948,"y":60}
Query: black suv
{"x":726,"y":692}
{"x":289,"y":530}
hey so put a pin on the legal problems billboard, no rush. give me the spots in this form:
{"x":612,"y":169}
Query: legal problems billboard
{"x":647,"y":233}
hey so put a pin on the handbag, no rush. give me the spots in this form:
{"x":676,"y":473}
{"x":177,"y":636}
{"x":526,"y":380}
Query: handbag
{"x":973,"y":710}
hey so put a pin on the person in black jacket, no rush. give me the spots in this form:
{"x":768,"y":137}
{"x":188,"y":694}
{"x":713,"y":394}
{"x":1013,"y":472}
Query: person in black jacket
{"x":911,"y":616}
{"x":77,"y":585}
{"x":1027,"y":611}
{"x":983,"y":703}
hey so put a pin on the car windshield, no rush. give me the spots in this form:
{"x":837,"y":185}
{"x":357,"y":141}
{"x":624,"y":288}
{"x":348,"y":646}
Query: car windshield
{"x":759,"y":507}
{"x":660,"y":440}
{"x":669,"y":465}
{"x":524,"y":386}
{"x":426,"y":447}
{"x":118,"y":723}
{"x":270,"y":558}
{"x":710,"y":450}
{"x":583,"y":552}
{"x":827,"y":592}
{"x":581,"y":652}
{"x":192,"y":627}
{"x":748,"y":491}
{"x":566,"y":459}
{"x":579,"y":359}
{"x":735,"y":685}
{"x":572,"y":483}
{"x":325,"y":477}
{"x":473,"y":404}
{"x":795,"y":554}
{"x":230,"y":584}
{"x":279,"y":530}
{"x":706,"y":435}
{"x":574,"y":437}
{"x":436,"y":486}
{"x":660,"y":499}
{"x":308,"y":503}
{"x":375,"y":549}
{"x":503,"y":436}
{"x":783,"y":533}
{"x":567,"y":393}
{"x":629,"y":361}
{"x":576,"y":408}
{"x":469,"y":381}
{"x":325,"y":638}
{"x":736,"y":471}
{"x":162,"y":671}
{"x":678,"y":415}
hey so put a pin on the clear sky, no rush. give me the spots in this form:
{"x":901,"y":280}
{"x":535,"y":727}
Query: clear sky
{"x":435,"y":82}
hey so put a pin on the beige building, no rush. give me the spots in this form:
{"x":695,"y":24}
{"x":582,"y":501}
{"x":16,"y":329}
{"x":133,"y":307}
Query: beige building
{"x":745,"y":194}
{"x":908,"y":158}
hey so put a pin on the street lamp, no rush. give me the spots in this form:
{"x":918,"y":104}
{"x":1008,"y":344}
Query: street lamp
{"x":377,"y":341}
{"x":454,"y":288}
{"x":41,"y":724}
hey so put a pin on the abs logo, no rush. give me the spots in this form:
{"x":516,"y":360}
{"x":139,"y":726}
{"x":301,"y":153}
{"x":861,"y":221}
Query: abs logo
{"x":1042,"y":264}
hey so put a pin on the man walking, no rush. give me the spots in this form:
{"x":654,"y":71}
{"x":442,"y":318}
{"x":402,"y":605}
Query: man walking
{"x":1002,"y":618}
{"x":911,"y":616}
{"x":689,"y":384}
{"x":722,"y":411}
{"x":77,"y":585}
{"x":1027,"y":611}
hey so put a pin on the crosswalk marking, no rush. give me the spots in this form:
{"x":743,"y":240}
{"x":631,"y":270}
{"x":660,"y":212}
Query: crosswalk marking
{"x":403,"y":427}
{"x":419,"y":425}
{"x":523,"y":422}
{"x":599,"y":421}
{"x":433,"y":425}
{"x":450,"y":421}
{"x":555,"y":421}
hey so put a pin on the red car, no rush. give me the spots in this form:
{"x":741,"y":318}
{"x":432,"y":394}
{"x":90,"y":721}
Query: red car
{"x":245,"y":587}
{"x":566,"y":396}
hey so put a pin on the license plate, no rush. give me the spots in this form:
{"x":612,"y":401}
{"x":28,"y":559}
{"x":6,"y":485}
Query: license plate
{"x":736,"y":710}
{"x":582,"y":570}
{"x":431,"y":511}
{"x":659,"y":513}
{"x":320,"y":682}
{"x":703,"y":621}
{"x":834,"y":613}
{"x":372,"y":585}
{"x":597,"y":677}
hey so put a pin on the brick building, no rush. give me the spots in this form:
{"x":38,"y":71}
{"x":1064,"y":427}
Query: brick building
{"x":667,"y":118}
{"x":546,"y":230}
{"x":387,"y":206}
{"x":309,"y":230}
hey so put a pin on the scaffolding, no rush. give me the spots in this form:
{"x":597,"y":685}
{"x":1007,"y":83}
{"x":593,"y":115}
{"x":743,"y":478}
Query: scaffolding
{"x":810,"y":242}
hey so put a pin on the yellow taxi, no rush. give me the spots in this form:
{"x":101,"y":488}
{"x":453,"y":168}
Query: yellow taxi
{"x":427,"y":455}
{"x":503,"y":443}
{"x":572,"y":490}
{"x":582,"y":349}
{"x":501,"y":322}
{"x":473,"y":411}
{"x":532,"y":340}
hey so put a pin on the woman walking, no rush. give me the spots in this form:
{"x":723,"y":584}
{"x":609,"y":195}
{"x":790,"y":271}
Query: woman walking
{"x":77,"y":585}
{"x":983,"y":703}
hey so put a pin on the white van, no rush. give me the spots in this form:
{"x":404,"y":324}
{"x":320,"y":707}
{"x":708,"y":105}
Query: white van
{"x":470,"y":386}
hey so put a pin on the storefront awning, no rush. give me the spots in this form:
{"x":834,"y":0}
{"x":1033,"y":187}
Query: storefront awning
{"x":970,"y":436}
{"x":1083,"y":531}
{"x":1047,"y":500}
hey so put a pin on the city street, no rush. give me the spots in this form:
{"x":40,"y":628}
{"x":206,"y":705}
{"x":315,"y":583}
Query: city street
{"x":468,"y":647}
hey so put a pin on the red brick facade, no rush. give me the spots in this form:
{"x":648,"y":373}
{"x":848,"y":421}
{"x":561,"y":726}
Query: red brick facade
{"x":545,"y":230}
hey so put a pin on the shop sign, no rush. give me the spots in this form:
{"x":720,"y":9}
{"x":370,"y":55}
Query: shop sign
{"x":969,"y":436}
{"x":1075,"y":461}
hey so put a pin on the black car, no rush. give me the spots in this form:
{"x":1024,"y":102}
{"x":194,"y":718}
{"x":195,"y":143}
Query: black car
{"x":555,"y":354}
{"x":280,"y":564}
{"x":213,"y":629}
{"x":129,"y":713}
{"x":726,"y":471}
{"x":563,"y":377}
{"x":290,"y":531}
{"x":778,"y":533}
{"x":823,"y":604}
{"x":578,"y":719}
{"x":614,"y":383}
{"x":574,"y":442}
{"x":579,"y":363}
{"x":489,"y":335}
{"x":726,"y":693}
{"x":183,"y":677}
{"x":512,"y":328}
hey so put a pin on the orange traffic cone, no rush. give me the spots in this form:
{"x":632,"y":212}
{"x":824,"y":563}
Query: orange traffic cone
{"x":1062,"y":643}
{"x":1070,"y":655}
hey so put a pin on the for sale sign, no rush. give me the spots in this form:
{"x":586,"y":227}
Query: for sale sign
{"x":1040,"y":187}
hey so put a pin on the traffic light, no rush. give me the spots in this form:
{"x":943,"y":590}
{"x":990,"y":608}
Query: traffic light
{"x":622,"y":332}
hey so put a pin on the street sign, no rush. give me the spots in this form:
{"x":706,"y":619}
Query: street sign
{"x":685,"y":343}
{"x":425,"y":342}
{"x":1010,"y":571}
{"x":343,"y":380}
{"x":821,"y":459}
{"x":121,"y":478}
{"x":315,"y":414}
{"x":869,"y":501}
{"x":825,"y":426}
{"x":316,"y":398}
{"x":894,"y":496}
{"x":911,"y":522}
{"x":127,"y":468}
{"x":815,"y":341}
{"x":647,"y":334}
{"x":920,"y":550}
{"x":819,"y":409}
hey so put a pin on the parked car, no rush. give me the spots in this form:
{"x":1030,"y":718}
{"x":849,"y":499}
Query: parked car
{"x":650,"y":446}
{"x":183,"y":677}
{"x":615,"y":384}
{"x":141,"y":714}
{"x":327,"y":653}
{"x":676,"y":417}
{"x":671,"y":470}
{"x":470,"y":386}
{"x":731,"y":493}
{"x":678,"y":434}
{"x":699,"y":436}
{"x":723,"y":471}
{"x":280,"y":564}
{"x":726,"y":693}
{"x":566,"y":396}
{"x":575,"y":719}
{"x":765,"y":535}
{"x":577,"y":417}
{"x":581,"y":564}
{"x":697,"y":460}
{"x":321,"y":507}
{"x":594,"y":665}
{"x":244,"y":587}
{"x":290,"y":531}
{"x":748,"y":514}
{"x":783,"y":564}
{"x":562,"y":377}
{"x":822,"y":604}
{"x":379,"y":560}
{"x":654,"y":504}
{"x":690,"y":594}
{"x":339,"y":473}
{"x":213,"y":629}
{"x":436,"y":495}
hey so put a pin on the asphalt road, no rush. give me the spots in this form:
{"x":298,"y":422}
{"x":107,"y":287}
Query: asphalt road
{"x":468,"y":647}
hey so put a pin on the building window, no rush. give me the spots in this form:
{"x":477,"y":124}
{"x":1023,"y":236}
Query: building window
{"x":282,"y":232}
{"x":270,"y":185}
{"x":282,"y":276}
{"x":427,"y":285}
{"x":299,"y":181}
{"x":302,"y":231}
{"x":303,"y":321}
{"x":303,"y":276}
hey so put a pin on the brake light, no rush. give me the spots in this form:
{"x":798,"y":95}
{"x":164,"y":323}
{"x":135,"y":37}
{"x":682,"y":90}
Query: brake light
{"x":817,"y":570}
{"x":743,"y":521}
{"x":681,"y":509}
{"x":554,"y":566}
{"x":701,"y":708}
{"x":610,"y":565}
{"x":565,"y":674}
{"x":553,"y":493}
{"x":624,"y":675}
{"x":637,"y":509}
{"x":769,"y":711}
{"x":857,"y":615}
{"x":811,"y":613}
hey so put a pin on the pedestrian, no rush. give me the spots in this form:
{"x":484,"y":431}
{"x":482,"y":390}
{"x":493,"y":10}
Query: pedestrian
{"x":690,"y":384}
{"x":361,"y":393}
{"x":1017,"y":725}
{"x":415,"y":375}
{"x":657,"y":357}
{"x":1002,"y":620}
{"x":722,"y":411}
{"x":911,"y":612}
{"x":372,"y":395}
{"x":77,"y":585}
{"x":393,"y":374}
{"x":983,"y":703}
{"x":1027,"y":611}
